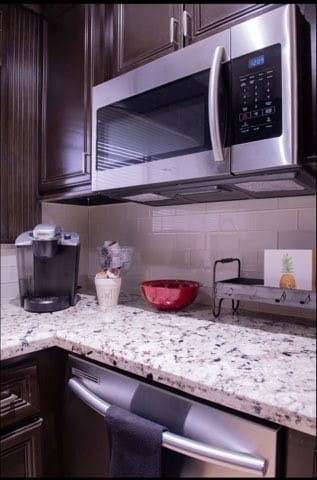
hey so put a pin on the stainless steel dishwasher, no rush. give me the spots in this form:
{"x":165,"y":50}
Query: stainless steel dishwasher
{"x":201,"y":440}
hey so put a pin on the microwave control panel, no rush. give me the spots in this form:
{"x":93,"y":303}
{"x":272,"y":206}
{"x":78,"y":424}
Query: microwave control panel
{"x":257,"y":95}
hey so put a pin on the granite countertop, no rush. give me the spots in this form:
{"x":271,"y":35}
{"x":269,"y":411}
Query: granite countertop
{"x":250,"y":362}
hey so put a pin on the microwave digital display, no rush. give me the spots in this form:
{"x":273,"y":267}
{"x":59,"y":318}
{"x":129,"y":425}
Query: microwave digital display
{"x":256,"y":61}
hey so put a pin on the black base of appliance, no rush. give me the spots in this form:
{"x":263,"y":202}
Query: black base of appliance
{"x":46,"y":304}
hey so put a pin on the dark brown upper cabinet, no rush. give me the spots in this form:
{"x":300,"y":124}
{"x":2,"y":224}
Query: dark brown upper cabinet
{"x":66,"y":105}
{"x":203,"y":19}
{"x":74,"y":59}
{"x":144,"y":32}
{"x":1,"y":26}
{"x":20,"y":119}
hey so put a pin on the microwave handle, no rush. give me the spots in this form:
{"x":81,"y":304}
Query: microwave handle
{"x":213,"y":104}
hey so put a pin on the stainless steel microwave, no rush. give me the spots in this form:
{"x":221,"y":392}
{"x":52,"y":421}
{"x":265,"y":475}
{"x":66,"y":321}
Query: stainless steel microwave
{"x":223,"y":118}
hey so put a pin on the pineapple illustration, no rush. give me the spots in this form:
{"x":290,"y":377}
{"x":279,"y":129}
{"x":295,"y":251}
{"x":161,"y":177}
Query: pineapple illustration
{"x":287,"y":279}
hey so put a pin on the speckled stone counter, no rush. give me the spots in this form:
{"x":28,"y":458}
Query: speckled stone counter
{"x":249,"y":362}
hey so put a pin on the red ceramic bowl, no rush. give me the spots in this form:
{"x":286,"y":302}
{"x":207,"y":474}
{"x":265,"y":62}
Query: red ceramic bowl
{"x":170,"y":294}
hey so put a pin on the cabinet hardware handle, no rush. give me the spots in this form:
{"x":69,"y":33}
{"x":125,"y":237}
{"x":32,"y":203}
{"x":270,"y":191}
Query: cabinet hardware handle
{"x":8,"y":400}
{"x":185,"y":446}
{"x":173,"y":27}
{"x":187,"y":25}
{"x":213,"y":104}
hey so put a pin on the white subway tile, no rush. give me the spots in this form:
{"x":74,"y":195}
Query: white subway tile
{"x":143,"y":244}
{"x":172,"y":272}
{"x":222,"y":206}
{"x":258,"y":204}
{"x":167,"y":258}
{"x":162,"y":211}
{"x":83,"y":260}
{"x":297,"y":202}
{"x":200,"y":259}
{"x":211,"y":222}
{"x":164,"y":241}
{"x":137,"y":210}
{"x":146,"y":226}
{"x":260,"y":261}
{"x":197,"y":223}
{"x":51,"y":212}
{"x":8,"y":255}
{"x":249,"y":260}
{"x":93,"y":261}
{"x":276,"y":220}
{"x":223,"y":244}
{"x":190,"y":209}
{"x":9,"y":274}
{"x":189,"y":241}
{"x":236,"y":221}
{"x":7,"y":248}
{"x":307,"y":219}
{"x":9,"y":290}
{"x":297,"y":239}
{"x":180,"y":258}
{"x":257,"y":241}
{"x":73,"y":218}
{"x":175,"y":223}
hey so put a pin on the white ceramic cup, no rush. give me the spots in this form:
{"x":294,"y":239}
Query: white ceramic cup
{"x":108,"y":290}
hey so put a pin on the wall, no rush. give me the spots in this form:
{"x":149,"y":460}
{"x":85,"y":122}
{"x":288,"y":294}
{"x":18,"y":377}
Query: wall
{"x":9,"y":274}
{"x":184,"y":241}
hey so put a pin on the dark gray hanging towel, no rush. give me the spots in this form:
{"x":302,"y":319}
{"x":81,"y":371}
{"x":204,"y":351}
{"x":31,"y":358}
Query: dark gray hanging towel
{"x":166,"y":410}
{"x":136,"y":444}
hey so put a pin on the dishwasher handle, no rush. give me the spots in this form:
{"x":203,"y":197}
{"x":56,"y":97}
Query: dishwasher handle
{"x":185,"y":446}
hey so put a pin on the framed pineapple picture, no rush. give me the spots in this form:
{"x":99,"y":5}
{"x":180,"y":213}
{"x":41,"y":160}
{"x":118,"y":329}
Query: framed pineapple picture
{"x":290,"y":269}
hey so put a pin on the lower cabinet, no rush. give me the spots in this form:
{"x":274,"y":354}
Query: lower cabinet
{"x":301,"y":455}
{"x":31,"y":414}
{"x":21,"y":451}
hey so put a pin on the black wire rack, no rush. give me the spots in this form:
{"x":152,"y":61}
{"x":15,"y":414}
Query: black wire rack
{"x":253,"y":290}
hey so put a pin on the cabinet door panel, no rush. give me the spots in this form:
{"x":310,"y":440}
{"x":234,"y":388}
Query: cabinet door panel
{"x":19,"y":394}
{"x":20,"y":120}
{"x":21,"y":452}
{"x":142,"y":32}
{"x":207,"y":17}
{"x":67,"y":114}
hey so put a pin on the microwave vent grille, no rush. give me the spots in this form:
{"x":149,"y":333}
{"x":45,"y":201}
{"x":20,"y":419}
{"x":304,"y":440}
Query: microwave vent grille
{"x":145,"y":197}
{"x":270,"y":186}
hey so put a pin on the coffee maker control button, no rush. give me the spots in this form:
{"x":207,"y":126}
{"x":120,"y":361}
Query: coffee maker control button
{"x":67,"y":236}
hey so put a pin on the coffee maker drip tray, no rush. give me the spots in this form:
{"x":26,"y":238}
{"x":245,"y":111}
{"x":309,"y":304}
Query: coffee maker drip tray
{"x":46,"y":304}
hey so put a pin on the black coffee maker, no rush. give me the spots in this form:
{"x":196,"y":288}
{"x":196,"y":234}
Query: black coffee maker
{"x":47,"y":260}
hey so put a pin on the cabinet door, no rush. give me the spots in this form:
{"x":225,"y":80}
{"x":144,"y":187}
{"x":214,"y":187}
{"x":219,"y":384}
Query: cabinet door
{"x":143,"y":32}
{"x":66,"y":146}
{"x":19,"y":394}
{"x":20,"y":119}
{"x":21,"y":452}
{"x":205,"y":18}
{"x":1,"y":23}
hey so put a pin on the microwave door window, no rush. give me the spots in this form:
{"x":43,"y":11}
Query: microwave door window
{"x":168,"y":121}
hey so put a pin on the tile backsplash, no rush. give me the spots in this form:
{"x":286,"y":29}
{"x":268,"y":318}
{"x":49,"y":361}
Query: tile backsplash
{"x":9,"y":272}
{"x":184,"y":241}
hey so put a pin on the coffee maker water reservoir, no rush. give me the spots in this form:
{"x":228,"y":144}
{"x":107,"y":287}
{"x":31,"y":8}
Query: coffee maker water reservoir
{"x":47,"y":260}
